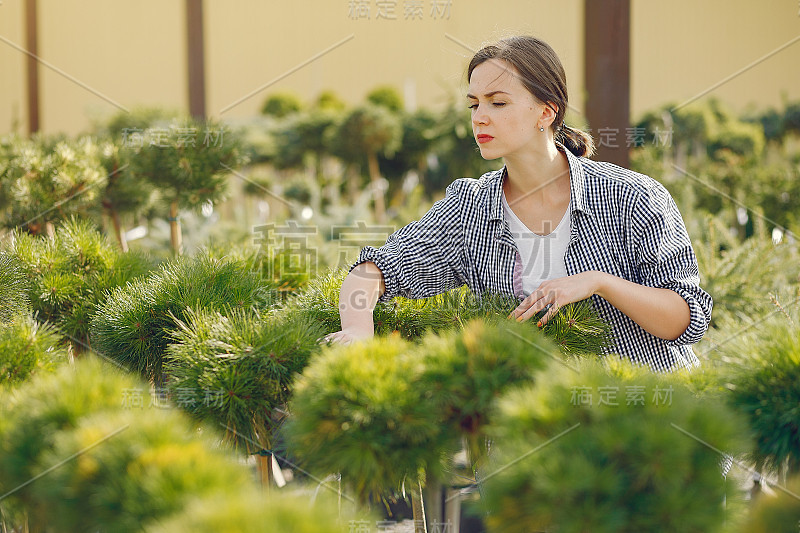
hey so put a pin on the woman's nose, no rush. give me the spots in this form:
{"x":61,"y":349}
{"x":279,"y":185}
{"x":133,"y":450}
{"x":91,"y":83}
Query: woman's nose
{"x":479,"y":116}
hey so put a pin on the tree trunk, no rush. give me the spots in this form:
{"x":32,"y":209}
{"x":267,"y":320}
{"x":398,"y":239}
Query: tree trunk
{"x":118,"y":231}
{"x":377,"y":193}
{"x":175,"y":229}
{"x":263,"y":467}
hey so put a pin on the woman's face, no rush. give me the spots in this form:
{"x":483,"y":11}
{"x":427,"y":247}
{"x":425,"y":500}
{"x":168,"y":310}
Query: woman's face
{"x":504,"y":114}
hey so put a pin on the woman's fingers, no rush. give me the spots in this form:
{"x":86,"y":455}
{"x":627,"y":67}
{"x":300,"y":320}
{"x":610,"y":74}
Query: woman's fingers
{"x":338,"y":337}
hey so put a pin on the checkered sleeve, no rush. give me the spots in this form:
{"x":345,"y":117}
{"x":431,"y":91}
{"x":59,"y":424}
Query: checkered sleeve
{"x":425,"y":257}
{"x":665,"y":258}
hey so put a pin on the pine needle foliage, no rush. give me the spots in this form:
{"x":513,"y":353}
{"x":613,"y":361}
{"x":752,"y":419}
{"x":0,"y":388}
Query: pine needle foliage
{"x":577,"y":328}
{"x":185,"y":160}
{"x":36,"y":412}
{"x":740,"y":276}
{"x":615,"y":451}
{"x":465,"y":371}
{"x":132,"y":326}
{"x":68,"y":276}
{"x":763,"y":378}
{"x":49,"y":180}
{"x":254,"y":512}
{"x":279,"y":284}
{"x":27,"y":348}
{"x":150,"y":465}
{"x":358,"y":410}
{"x":237,"y":371}
{"x":13,"y":288}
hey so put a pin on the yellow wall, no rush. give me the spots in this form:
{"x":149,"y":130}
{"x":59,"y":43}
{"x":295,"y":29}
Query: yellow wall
{"x":133,"y":52}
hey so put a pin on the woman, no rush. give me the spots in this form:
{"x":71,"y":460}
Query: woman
{"x":551,"y":227}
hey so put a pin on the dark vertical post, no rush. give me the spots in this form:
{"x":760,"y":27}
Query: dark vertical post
{"x":607,"y":73}
{"x":32,"y":65}
{"x":196,"y":58}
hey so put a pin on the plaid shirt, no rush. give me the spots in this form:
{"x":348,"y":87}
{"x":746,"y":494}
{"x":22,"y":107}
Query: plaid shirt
{"x":623,"y":223}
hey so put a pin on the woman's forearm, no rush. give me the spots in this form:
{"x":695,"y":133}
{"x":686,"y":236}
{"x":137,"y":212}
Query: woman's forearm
{"x":661,"y":312}
{"x":359,"y":293}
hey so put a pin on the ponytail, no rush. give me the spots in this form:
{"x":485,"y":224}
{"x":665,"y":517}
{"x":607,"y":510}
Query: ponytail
{"x":576,"y":141}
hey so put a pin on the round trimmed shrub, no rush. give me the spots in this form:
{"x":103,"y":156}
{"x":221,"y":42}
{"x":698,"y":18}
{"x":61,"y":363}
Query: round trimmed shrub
{"x":133,"y":469}
{"x":238,"y":371}
{"x":35,"y":413}
{"x":622,"y":451}
{"x":253,"y":512}
{"x":465,"y":371}
{"x":763,"y":377}
{"x":359,"y":410}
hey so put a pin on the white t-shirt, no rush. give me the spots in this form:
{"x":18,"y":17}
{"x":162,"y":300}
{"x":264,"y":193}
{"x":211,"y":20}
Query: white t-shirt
{"x":542,"y":255}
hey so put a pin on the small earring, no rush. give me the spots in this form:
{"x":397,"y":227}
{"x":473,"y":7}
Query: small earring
{"x":541,"y":128}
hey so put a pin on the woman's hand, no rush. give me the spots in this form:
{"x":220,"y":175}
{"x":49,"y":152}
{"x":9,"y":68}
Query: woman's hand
{"x":557,"y":293}
{"x":348,"y":336}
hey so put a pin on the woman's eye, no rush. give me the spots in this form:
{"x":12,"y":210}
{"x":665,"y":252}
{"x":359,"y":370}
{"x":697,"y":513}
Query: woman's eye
{"x":499,"y":104}
{"x":473,"y":106}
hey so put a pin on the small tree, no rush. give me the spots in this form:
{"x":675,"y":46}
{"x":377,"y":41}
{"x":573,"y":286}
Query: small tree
{"x":607,"y":450}
{"x":386,"y":96}
{"x":189,"y":163}
{"x":363,"y":134}
{"x":50,"y":180}
{"x":281,"y":105}
{"x":358,"y":411}
{"x":237,"y":372}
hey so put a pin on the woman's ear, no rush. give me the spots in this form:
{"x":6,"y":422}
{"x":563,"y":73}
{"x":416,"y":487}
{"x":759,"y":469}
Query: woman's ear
{"x":550,"y":112}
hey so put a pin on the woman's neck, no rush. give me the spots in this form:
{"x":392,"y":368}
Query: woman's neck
{"x":540,"y":176}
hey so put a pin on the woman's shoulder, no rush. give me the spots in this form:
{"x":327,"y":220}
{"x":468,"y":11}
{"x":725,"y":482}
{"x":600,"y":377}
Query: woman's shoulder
{"x":476,"y":187}
{"x":605,"y":176}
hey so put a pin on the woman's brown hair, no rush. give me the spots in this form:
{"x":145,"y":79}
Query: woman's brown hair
{"x":542,"y":74}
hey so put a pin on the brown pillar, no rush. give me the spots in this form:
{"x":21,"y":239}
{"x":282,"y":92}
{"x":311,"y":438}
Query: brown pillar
{"x":607,"y":73}
{"x":32,"y":65}
{"x":196,"y":58}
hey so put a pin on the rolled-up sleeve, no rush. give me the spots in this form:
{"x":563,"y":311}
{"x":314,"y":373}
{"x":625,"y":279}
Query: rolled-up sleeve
{"x":425,"y":257}
{"x":665,"y":258}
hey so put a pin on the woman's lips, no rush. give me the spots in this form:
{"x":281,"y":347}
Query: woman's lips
{"x":484,"y":138}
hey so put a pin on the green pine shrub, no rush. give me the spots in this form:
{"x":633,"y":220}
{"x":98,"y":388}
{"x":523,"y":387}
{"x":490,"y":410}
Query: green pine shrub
{"x":46,"y":180}
{"x":763,"y":378}
{"x":279,"y":281}
{"x":778,"y":513}
{"x":253,"y":512}
{"x":132,"y":326}
{"x":740,"y":275}
{"x":237,"y":371}
{"x":588,"y":449}
{"x":465,"y":371}
{"x":34,"y":414}
{"x":28,"y":347}
{"x":69,"y":275}
{"x":576,"y":328}
{"x":359,"y":410}
{"x":134,"y":469}
{"x":13,"y":288}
